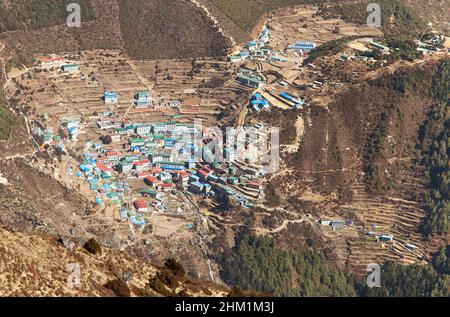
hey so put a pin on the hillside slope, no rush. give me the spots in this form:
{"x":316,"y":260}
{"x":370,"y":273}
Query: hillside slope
{"x":35,"y":14}
{"x":29,"y":267}
{"x":144,"y":29}
{"x":168,"y":29}
{"x":246,"y":14}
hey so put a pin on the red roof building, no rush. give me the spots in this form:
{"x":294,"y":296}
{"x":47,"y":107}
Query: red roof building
{"x":203,"y":173}
{"x":207,"y":168}
{"x":151,"y":181}
{"x":156,"y":171}
{"x":167,"y":187}
{"x":140,"y":205}
{"x":48,"y":60}
{"x":103,"y":168}
{"x":143,"y":162}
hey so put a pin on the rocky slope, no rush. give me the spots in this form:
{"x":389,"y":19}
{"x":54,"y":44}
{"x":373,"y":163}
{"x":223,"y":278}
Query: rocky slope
{"x":36,"y":265}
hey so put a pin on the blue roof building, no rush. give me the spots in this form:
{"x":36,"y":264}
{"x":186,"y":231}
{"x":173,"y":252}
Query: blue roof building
{"x":70,"y":68}
{"x":257,"y":96}
{"x":142,"y":98}
{"x":111,"y":97}
{"x":258,"y":103}
{"x":244,"y":54}
{"x":196,"y":187}
{"x":265,"y":35}
{"x":290,"y":98}
{"x":253,"y":45}
{"x":303,"y":46}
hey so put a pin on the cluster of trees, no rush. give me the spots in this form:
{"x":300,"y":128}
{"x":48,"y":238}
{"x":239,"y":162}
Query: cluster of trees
{"x":441,"y":261}
{"x":272,"y":196}
{"x":167,"y":280}
{"x":35,"y":14}
{"x":404,"y":48}
{"x":154,"y":29}
{"x":434,"y":137}
{"x":396,"y":17}
{"x":436,"y":160}
{"x":373,"y":149}
{"x":400,"y":23}
{"x":329,"y":48}
{"x":407,"y":80}
{"x":408,"y":281}
{"x":5,"y":116}
{"x":257,"y":263}
{"x":246,"y":14}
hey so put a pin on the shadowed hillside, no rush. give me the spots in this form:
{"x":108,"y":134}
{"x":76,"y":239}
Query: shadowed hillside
{"x":29,"y":268}
{"x":396,"y":16}
{"x":5,"y":116}
{"x":168,"y":29}
{"x":144,"y":29}
{"x":36,"y":14}
{"x":246,"y":14}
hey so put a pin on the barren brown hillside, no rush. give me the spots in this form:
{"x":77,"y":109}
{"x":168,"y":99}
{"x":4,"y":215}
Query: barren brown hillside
{"x":168,"y":29}
{"x":143,"y":29}
{"x":29,"y":267}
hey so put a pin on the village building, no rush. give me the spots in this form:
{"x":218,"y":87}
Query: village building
{"x":142,"y":99}
{"x":70,"y":68}
{"x":144,"y":129}
{"x":196,"y":187}
{"x":386,"y":238}
{"x":140,"y":205}
{"x":249,"y":78}
{"x":337,"y":224}
{"x":151,"y":181}
{"x":50,"y":63}
{"x":111,"y":97}
{"x":141,"y":165}
{"x":160,"y":157}
{"x":302,"y":46}
{"x":150,"y":193}
{"x":107,"y":125}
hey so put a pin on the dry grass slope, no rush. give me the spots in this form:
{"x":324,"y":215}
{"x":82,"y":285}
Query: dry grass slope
{"x":168,"y":29}
{"x":246,"y":14}
{"x":29,"y":267}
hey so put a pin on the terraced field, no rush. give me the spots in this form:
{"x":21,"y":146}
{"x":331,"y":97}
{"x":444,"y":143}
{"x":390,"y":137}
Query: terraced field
{"x":384,"y":215}
{"x":206,"y":84}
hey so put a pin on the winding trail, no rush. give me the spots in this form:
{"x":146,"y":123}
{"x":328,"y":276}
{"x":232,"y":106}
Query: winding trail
{"x":216,"y":22}
{"x":283,"y":226}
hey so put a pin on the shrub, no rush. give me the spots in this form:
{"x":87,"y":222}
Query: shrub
{"x":158,"y":286}
{"x":92,"y":246}
{"x":119,"y":288}
{"x":106,"y":139}
{"x":175,"y":267}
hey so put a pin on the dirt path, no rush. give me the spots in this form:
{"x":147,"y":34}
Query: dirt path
{"x":400,"y":64}
{"x":283,"y":226}
{"x":216,"y":22}
{"x":295,"y":146}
